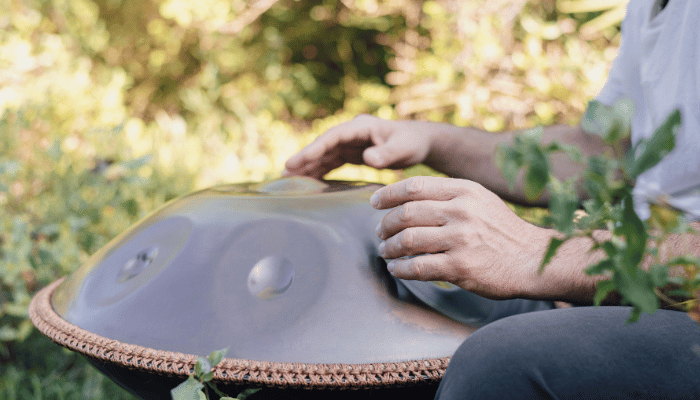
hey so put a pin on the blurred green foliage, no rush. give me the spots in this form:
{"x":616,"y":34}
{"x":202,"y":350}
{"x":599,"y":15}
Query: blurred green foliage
{"x":109,"y":108}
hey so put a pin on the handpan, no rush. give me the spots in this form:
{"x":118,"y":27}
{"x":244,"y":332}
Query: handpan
{"x":284,"y":273}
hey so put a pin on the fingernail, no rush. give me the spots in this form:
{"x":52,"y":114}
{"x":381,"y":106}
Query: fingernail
{"x":374,"y":200}
{"x":381,"y":248}
{"x":378,"y":229}
{"x":390,"y":266}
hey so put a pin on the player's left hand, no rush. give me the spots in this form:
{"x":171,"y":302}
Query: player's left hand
{"x":455,"y":230}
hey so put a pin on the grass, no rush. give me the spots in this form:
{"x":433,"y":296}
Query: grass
{"x":41,"y":370}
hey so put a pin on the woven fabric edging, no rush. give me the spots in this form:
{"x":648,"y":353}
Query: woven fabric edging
{"x":230,"y":370}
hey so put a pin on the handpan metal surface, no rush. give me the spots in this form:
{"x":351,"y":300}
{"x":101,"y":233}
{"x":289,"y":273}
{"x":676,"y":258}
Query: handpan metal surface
{"x":282,"y":273}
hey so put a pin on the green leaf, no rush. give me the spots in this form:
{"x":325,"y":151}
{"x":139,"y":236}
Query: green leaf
{"x":187,"y":390}
{"x":609,"y":248}
{"x":601,"y":267}
{"x":598,"y":119}
{"x":563,"y":204}
{"x":604,"y":288}
{"x":244,"y":394}
{"x":537,"y":174}
{"x":634,"y":315}
{"x":532,"y":134}
{"x":647,"y":153}
{"x":610,"y":123}
{"x":685,"y":260}
{"x":203,"y":366}
{"x":216,"y":390}
{"x":679,"y":293}
{"x":624,"y":109}
{"x":636,"y":290}
{"x":633,"y":230}
{"x":658,"y":275}
{"x":216,"y":356}
{"x":535,"y":182}
{"x":207,"y":376}
{"x":573,"y":152}
{"x":509,"y":162}
{"x":551,"y":250}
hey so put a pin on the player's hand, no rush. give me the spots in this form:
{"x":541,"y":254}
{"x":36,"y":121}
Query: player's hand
{"x":366,"y":140}
{"x":455,"y":230}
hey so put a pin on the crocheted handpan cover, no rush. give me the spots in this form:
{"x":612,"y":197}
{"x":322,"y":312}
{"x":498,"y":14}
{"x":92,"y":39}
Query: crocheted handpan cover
{"x":231,"y":371}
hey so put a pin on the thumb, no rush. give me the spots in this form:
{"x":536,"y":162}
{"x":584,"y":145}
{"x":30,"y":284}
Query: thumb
{"x":389,"y":154}
{"x":373,"y":157}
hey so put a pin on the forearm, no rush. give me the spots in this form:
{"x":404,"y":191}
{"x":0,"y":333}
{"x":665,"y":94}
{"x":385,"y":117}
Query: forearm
{"x":564,"y":278}
{"x":469,"y":153}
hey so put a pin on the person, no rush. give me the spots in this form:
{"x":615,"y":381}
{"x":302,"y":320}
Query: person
{"x":459,"y":230}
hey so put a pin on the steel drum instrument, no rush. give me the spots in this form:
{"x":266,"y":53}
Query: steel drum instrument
{"x":285,"y":274}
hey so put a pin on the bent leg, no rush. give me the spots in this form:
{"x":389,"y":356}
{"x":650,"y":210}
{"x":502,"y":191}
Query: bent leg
{"x":578,"y":353}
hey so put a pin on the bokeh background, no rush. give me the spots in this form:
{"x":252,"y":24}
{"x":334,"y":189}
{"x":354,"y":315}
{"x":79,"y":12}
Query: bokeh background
{"x":109,"y":108}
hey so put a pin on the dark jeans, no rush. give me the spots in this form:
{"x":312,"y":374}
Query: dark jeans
{"x":578,"y":353}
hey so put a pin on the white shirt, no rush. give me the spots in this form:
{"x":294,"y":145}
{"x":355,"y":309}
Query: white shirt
{"x":658,"y":68}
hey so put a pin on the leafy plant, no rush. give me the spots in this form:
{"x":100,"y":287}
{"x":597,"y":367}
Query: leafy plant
{"x":197,"y":385}
{"x":608,"y":182}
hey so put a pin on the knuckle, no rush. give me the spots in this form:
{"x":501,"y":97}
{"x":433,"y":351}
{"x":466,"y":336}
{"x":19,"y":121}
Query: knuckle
{"x":418,"y":267}
{"x":405,"y":213}
{"x":415,"y":185}
{"x":408,"y":239}
{"x":458,"y":209}
{"x":473,"y":188}
{"x":461,"y":238}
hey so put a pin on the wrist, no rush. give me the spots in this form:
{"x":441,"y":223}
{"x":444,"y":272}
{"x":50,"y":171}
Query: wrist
{"x":564,"y":278}
{"x":538,"y":283}
{"x":448,"y":150}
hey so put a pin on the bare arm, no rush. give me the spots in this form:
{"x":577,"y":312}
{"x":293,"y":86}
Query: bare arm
{"x":460,"y":232}
{"x":458,"y":229}
{"x":563,"y":279}
{"x":455,"y":151}
{"x":469,"y":153}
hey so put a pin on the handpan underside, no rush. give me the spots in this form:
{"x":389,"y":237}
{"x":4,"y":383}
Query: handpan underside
{"x":285,"y":274}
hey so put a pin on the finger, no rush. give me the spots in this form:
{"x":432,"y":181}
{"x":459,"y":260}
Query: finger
{"x":308,"y":155}
{"x":426,"y":267}
{"x":412,"y":214}
{"x":396,"y":152}
{"x":414,"y":241}
{"x":336,"y":144}
{"x":420,"y":188}
{"x":355,"y":132}
{"x":319,"y":167}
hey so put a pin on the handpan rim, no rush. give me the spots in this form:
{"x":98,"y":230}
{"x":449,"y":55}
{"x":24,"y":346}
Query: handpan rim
{"x":231,"y":370}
